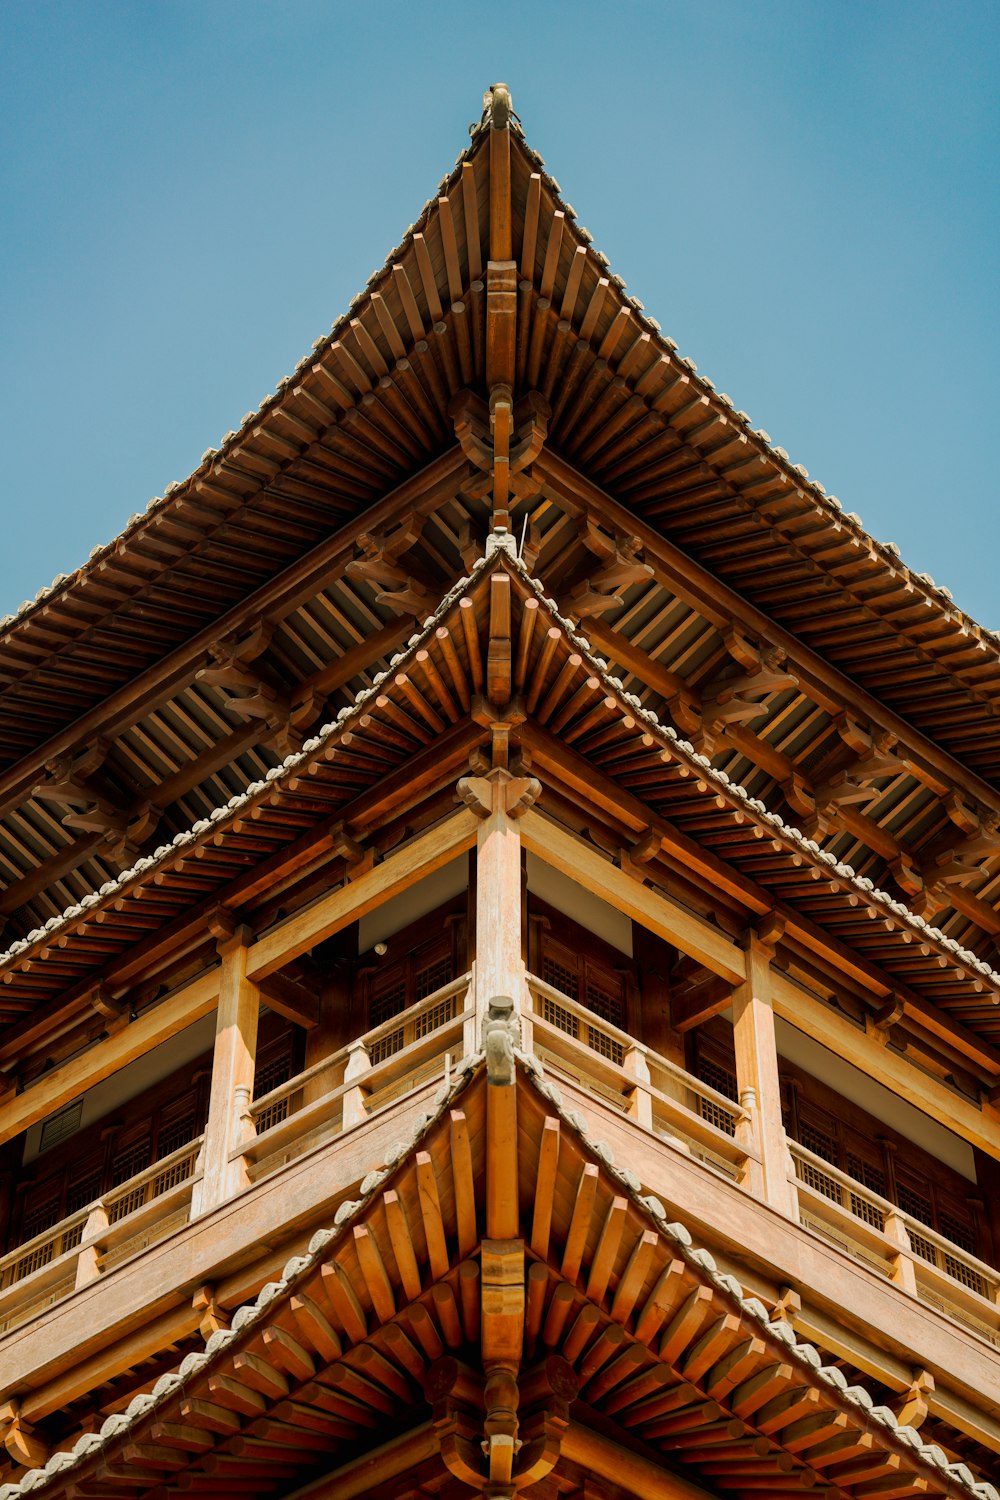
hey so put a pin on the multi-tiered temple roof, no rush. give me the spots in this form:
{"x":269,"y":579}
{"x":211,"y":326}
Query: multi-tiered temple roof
{"x":496,"y":524}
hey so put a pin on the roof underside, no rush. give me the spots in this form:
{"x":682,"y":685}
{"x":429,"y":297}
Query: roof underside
{"x":390,"y":1319}
{"x":271,"y":589}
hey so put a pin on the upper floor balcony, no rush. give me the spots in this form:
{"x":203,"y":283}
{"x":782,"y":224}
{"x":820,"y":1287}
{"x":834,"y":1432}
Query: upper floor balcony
{"x":316,"y":1112}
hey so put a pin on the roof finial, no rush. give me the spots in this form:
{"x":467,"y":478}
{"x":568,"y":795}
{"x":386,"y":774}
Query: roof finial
{"x":496,"y":102}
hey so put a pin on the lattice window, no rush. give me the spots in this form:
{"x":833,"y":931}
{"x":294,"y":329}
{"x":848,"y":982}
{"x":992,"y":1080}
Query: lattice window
{"x":961,"y":1234}
{"x":560,"y":976}
{"x":916,"y":1205}
{"x":129,"y":1160}
{"x":39,"y":1216}
{"x":128,"y":1202}
{"x":177,"y":1132}
{"x":558,"y":1015}
{"x":607,"y":1046}
{"x":718,"y":1078}
{"x":819,"y":1181}
{"x":83,"y":1189}
{"x":922,"y":1247}
{"x":603,"y":994}
{"x":431,"y":977}
{"x":33,"y":1261}
{"x":870,"y":1213}
{"x":966,"y":1274}
{"x":386,"y":1046}
{"x":818,"y":1142}
{"x":867,"y":1173}
{"x":273,"y":1068}
{"x":389,"y":997}
{"x":438,"y":1015}
{"x":180,"y":1171}
{"x":713,"y":1071}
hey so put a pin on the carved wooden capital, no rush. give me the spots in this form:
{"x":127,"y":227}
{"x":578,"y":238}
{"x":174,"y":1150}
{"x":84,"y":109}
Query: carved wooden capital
{"x":498,"y":792}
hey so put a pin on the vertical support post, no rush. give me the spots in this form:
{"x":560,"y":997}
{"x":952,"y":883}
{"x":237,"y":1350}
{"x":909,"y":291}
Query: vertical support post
{"x":757,"y":1075}
{"x":89,"y":1261}
{"x":640,"y":1105}
{"x":233,"y":1064}
{"x":358,"y":1064}
{"x":902,"y":1272}
{"x":499,"y":965}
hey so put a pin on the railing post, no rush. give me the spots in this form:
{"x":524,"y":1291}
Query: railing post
{"x":640,"y":1105}
{"x":358,"y":1064}
{"x":757,"y":1075}
{"x":902,"y":1272}
{"x":89,"y":1261}
{"x":497,"y":799}
{"x":746,"y":1132}
{"x":233,"y":1063}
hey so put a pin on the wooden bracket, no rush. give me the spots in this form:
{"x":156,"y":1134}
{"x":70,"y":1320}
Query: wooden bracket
{"x":68,"y":777}
{"x":788,"y":1304}
{"x":455,"y":1393}
{"x":696,"y":994}
{"x":229,"y":932}
{"x":498,"y":792}
{"x":253,"y":692}
{"x":19,"y":1437}
{"x":94,"y":805}
{"x":291,"y":999}
{"x":911,"y":1407}
{"x":500,"y":438}
{"x":888,"y":1014}
{"x":768,"y":930}
{"x":500,"y":721}
{"x":358,"y":859}
{"x":621,"y":568}
{"x":379,"y":565}
{"x":211,"y":1316}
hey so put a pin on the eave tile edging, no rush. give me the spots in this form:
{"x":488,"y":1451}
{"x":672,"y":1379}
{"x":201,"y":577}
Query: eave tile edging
{"x":136,"y":522}
{"x":853,"y":1400}
{"x":502,"y":548}
{"x":683,"y":750}
{"x":238,"y":804}
{"x":245,"y":1319}
{"x":934,"y":594}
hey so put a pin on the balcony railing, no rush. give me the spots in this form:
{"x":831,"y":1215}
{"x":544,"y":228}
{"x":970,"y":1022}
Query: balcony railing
{"x":126,"y":1220}
{"x":347,"y":1087}
{"x":655,"y":1092}
{"x":408,"y":1053}
{"x":916,"y":1257}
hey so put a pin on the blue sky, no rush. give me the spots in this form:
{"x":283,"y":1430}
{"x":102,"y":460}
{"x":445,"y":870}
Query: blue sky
{"x":803,"y":192}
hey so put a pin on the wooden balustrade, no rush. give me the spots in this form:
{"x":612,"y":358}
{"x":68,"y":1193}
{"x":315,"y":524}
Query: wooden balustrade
{"x":353,"y":1084}
{"x":873,"y":1230}
{"x":368,"y":1074}
{"x":653,"y":1091}
{"x":81,"y":1246}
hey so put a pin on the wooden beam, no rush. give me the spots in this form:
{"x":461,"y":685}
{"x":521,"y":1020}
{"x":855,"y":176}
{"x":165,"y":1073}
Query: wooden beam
{"x":721,"y":606}
{"x":419,"y":858}
{"x":297,"y":584}
{"x":291,"y":999}
{"x":624,"y":1468}
{"x":364,"y":1474}
{"x":589,"y":868}
{"x":233,"y":1063}
{"x":69,"y":1080}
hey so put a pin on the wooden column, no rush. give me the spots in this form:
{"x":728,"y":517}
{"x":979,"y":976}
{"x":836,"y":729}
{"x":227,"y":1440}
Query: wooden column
{"x":757,"y":1075}
{"x":497,"y":798}
{"x":233,"y":1065}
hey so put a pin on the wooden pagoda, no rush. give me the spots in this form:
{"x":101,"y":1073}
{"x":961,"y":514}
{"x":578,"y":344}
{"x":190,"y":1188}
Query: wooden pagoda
{"x":500,"y":896}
